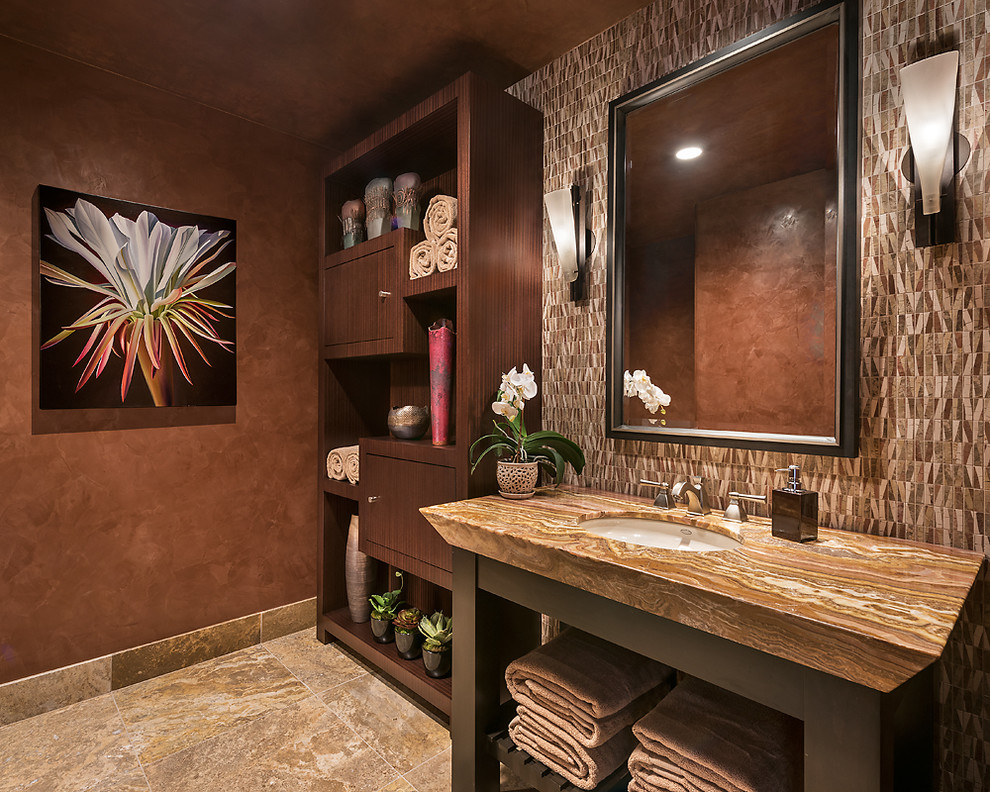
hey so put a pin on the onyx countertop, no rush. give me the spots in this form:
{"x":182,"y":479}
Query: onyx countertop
{"x":872,"y":610}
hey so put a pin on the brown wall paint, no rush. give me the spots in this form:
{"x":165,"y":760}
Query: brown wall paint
{"x":112,"y":539}
{"x":922,"y":472}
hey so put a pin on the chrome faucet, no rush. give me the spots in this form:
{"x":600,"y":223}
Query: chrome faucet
{"x":692,"y":494}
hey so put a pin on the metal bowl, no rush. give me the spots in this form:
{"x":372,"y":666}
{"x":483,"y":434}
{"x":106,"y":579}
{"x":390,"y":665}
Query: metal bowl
{"x":409,"y":422}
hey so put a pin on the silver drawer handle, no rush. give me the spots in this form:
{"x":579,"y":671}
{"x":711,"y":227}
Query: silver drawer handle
{"x":373,"y":498}
{"x":384,"y":294}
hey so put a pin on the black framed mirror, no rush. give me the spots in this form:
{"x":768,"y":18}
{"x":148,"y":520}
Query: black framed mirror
{"x":733,"y":244}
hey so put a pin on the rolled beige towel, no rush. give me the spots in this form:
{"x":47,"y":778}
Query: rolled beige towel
{"x":724,"y":740}
{"x":583,"y":767}
{"x":422,"y":260}
{"x":584,"y":681}
{"x":335,"y":462}
{"x":440,"y":217}
{"x":352,"y":460}
{"x":446,"y":250}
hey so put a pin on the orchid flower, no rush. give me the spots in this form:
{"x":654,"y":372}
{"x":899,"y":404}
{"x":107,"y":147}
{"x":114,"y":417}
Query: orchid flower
{"x":152,"y":277}
{"x":639,"y":384}
{"x":551,"y":450}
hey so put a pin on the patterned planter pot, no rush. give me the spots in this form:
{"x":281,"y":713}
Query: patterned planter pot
{"x":517,"y":480}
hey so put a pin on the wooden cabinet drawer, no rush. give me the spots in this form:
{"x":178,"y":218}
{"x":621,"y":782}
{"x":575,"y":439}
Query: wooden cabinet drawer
{"x":393,"y":491}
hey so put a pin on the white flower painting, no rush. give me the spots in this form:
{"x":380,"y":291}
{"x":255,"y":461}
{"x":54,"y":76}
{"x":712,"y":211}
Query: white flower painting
{"x":130,"y":293}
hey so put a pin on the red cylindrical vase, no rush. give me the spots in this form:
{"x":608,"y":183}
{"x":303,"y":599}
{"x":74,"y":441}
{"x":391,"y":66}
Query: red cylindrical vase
{"x":441,"y":380}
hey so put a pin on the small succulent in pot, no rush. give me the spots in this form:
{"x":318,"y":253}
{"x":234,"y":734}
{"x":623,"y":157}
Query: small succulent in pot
{"x":407,"y":635}
{"x":438,"y":632}
{"x":383,"y":609}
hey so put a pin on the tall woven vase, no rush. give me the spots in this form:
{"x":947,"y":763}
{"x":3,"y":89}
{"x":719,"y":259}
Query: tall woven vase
{"x":360,"y":573}
{"x":441,"y":380}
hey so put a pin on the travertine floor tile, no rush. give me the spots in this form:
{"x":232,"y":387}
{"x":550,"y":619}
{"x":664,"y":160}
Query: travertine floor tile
{"x":317,"y":665}
{"x":390,"y":723}
{"x":299,"y":747}
{"x":399,"y":785}
{"x":433,"y":775}
{"x":66,"y":750}
{"x":134,"y":781}
{"x":177,"y":710}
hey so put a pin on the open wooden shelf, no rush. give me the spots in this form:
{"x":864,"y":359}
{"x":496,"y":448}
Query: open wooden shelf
{"x":342,"y":488}
{"x":407,"y":672}
{"x":413,"y":450}
{"x":532,"y":772}
{"x":438,"y":284}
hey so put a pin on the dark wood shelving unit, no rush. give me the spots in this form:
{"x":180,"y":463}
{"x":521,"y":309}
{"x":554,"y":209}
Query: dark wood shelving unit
{"x":409,"y":672}
{"x":484,"y":147}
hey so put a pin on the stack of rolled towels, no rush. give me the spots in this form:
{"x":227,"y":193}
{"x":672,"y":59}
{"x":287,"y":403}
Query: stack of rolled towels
{"x":701,"y":738}
{"x":439,"y":252}
{"x":344,"y":463}
{"x":577,"y":698}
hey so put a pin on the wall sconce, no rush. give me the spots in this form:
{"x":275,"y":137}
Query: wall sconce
{"x":936,"y":154}
{"x":567,"y":209}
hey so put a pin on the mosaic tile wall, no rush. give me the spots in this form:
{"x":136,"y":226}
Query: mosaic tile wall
{"x":925,"y":332}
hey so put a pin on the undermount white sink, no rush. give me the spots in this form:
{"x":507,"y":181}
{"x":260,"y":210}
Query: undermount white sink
{"x":659,"y":533}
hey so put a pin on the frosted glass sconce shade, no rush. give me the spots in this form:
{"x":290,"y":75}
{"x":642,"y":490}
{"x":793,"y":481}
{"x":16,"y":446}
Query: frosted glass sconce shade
{"x":929,"y":91}
{"x":562,"y":212}
{"x":567,"y":211}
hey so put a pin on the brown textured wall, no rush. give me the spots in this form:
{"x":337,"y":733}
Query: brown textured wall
{"x":112,"y":539}
{"x":922,"y":472}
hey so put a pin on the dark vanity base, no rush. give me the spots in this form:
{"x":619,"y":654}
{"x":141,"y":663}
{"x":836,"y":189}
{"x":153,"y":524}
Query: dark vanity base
{"x":856,"y":739}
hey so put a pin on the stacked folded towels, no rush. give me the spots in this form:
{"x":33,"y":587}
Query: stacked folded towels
{"x":701,"y":738}
{"x":438,"y":253}
{"x":344,"y":463}
{"x":577,"y":698}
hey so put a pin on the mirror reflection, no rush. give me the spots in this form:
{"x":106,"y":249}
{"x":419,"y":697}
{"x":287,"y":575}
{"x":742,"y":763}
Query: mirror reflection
{"x":726,"y":233}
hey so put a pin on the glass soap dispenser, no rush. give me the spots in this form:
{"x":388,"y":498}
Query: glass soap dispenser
{"x":794,"y":511}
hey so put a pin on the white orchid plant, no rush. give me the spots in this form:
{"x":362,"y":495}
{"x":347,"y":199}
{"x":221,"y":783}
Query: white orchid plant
{"x":639,"y":384}
{"x":510,"y":439}
{"x":151,"y":279}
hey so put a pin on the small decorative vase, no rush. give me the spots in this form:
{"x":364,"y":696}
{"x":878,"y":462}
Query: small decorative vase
{"x":378,"y":205}
{"x":408,"y":644}
{"x":408,"y":423}
{"x":360,"y":572}
{"x":441,"y":379}
{"x":407,"y":189}
{"x":352,"y":219}
{"x":517,"y":480}
{"x":382,"y":630}
{"x":437,"y":664}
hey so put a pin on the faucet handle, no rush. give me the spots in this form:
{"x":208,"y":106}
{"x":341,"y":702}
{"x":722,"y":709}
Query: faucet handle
{"x":663,"y":499}
{"x":735,"y":511}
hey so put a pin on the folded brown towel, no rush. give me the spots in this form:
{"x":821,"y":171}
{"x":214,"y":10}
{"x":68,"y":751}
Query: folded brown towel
{"x":589,"y":732}
{"x":586,"y":685}
{"x":653,"y":773}
{"x":583,"y":767}
{"x":728,"y":741}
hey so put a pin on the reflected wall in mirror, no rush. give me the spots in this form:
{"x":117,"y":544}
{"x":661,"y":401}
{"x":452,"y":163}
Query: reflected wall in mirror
{"x":732,"y":243}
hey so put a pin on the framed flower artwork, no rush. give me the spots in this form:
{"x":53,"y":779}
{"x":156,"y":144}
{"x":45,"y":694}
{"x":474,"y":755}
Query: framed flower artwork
{"x":136,"y":305}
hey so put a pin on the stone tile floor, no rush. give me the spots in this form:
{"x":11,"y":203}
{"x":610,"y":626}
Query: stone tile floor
{"x":287,"y":715}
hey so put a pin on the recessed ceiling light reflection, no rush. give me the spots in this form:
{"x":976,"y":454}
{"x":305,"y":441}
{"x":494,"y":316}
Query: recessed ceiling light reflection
{"x":688,"y":153}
